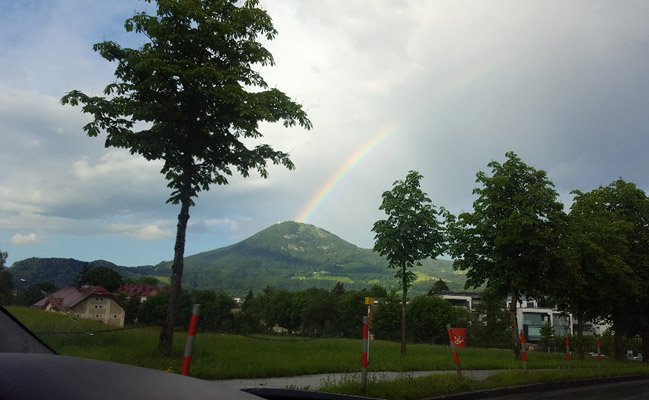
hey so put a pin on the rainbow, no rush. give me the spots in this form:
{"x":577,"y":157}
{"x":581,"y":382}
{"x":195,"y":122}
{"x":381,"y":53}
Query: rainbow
{"x":360,"y":154}
{"x":453,"y":85}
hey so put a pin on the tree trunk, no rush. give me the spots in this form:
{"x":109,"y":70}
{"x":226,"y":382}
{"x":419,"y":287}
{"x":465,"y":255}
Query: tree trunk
{"x":645,"y":344}
{"x":514,"y":324}
{"x":404,"y":299}
{"x":618,"y":343}
{"x":167,"y":333}
{"x":581,"y":351}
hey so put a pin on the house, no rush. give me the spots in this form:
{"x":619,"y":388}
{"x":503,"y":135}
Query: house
{"x":531,"y":319}
{"x":143,"y":291}
{"x":465,"y":300}
{"x":87,"y":302}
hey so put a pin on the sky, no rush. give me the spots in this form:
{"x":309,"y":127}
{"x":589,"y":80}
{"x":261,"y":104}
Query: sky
{"x":440,"y":87}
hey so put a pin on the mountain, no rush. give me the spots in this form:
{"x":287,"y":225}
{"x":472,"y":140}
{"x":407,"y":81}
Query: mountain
{"x":295,"y":256}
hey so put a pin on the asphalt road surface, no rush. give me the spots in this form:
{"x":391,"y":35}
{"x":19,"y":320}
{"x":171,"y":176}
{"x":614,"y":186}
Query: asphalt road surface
{"x":628,"y":390}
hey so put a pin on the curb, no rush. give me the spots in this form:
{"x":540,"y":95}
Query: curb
{"x":538,"y":387}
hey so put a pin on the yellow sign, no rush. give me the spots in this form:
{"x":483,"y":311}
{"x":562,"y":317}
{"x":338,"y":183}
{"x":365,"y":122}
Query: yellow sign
{"x":369,"y":300}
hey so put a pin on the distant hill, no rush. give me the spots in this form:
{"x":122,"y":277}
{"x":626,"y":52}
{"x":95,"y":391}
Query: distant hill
{"x":62,"y":272}
{"x":292,"y":256}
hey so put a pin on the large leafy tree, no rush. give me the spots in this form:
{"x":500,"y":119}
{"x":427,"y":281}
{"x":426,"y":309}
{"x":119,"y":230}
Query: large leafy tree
{"x":512,"y":241}
{"x":609,"y":238}
{"x":192,"y":96}
{"x":412,"y":232}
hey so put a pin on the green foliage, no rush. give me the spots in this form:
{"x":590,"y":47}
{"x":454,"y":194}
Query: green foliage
{"x":6,"y":281}
{"x":143,"y":280}
{"x":33,"y":293}
{"x":62,"y":272}
{"x":153,"y":311}
{"x":513,"y":240}
{"x":216,"y":313}
{"x":192,"y":96}
{"x":190,"y":84}
{"x":490,"y":325}
{"x":411,"y":233}
{"x":105,"y":277}
{"x":428,"y":317}
{"x":547,"y":337}
{"x":609,"y":239}
{"x":387,"y":318}
{"x":438,"y":287}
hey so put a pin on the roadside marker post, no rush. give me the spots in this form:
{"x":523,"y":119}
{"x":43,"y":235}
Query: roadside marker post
{"x":456,"y":359}
{"x":599,"y":355}
{"x":369,"y":301}
{"x":523,"y":351}
{"x":191,"y":332}
{"x":366,"y":346}
{"x":568,"y":356}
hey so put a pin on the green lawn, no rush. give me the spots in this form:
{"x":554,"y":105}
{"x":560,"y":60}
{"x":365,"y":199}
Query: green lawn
{"x":231,"y":356}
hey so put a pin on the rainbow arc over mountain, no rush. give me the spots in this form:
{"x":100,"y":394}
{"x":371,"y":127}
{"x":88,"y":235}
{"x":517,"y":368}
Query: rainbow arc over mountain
{"x":334,"y":180}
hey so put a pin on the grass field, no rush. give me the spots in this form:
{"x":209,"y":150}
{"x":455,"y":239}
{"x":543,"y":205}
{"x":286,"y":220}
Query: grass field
{"x":231,"y":356}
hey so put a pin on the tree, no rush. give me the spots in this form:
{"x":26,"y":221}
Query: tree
{"x":6,"y":281}
{"x":490,"y":321}
{"x":387,"y":318}
{"x":216,"y":315}
{"x":428,"y":317}
{"x":105,"y":277}
{"x":411,"y":233}
{"x":438,"y":287}
{"x":547,"y":336}
{"x":350,"y":309}
{"x":609,"y":237}
{"x":34,"y":292}
{"x":192,"y":96}
{"x":512,"y":241}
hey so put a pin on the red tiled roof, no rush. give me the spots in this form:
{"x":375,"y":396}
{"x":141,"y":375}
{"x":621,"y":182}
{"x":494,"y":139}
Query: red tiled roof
{"x":140,"y":290}
{"x":67,"y":298}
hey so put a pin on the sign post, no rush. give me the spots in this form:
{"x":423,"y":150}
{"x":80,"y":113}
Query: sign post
{"x":568,"y":356}
{"x":599,"y":355}
{"x":456,"y":359}
{"x":366,"y":346}
{"x":523,"y":351}
{"x":369,"y":301}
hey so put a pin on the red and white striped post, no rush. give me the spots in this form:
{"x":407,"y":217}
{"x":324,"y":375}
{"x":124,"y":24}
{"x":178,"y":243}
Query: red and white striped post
{"x":523,"y":351}
{"x":191,"y":332}
{"x":599,"y":355}
{"x":568,"y":356}
{"x":456,"y":359}
{"x":366,"y":348}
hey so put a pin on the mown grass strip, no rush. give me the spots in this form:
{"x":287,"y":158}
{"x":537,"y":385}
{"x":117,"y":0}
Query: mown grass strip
{"x":441,"y":385}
